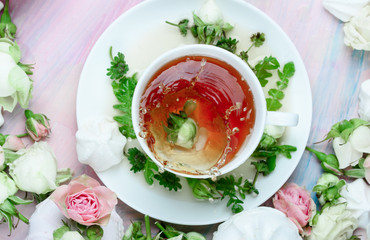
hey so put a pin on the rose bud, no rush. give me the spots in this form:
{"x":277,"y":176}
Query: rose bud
{"x":37,"y":125}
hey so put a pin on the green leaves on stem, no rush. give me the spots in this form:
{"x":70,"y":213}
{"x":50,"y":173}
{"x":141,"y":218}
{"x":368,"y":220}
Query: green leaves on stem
{"x":345,"y":128}
{"x":123,"y":88}
{"x":7,"y":28}
{"x":8,"y":210}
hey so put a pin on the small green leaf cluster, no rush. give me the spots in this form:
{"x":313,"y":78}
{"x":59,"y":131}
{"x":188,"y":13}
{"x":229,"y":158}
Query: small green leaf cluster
{"x":345,"y":128}
{"x":8,"y":210}
{"x":276,"y":94}
{"x":226,"y":187}
{"x":140,"y":162}
{"x":134,"y":232}
{"x":123,"y":88}
{"x":7,"y":28}
{"x":269,"y":150}
{"x":208,"y":33}
{"x":93,"y":232}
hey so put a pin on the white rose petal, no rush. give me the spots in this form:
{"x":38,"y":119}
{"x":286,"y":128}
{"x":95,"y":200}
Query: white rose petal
{"x":344,"y":9}
{"x":360,"y":139}
{"x":364,"y":101}
{"x":334,"y":223}
{"x":7,"y":63}
{"x":7,"y":187}
{"x":357,"y":196}
{"x":35,"y":171}
{"x":47,"y":218}
{"x":345,"y":153}
{"x":100,"y":144}
{"x":262,"y":223}
{"x":72,"y":235}
{"x":357,"y":30}
{"x":1,"y":5}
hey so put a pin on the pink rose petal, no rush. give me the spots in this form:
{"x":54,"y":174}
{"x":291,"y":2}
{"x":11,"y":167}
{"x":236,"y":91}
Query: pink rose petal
{"x":85,"y":201}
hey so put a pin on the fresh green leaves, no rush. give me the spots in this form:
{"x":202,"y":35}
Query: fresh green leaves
{"x":205,"y":32}
{"x":235,"y":190}
{"x":228,"y":44}
{"x":257,"y":39}
{"x":140,"y":162}
{"x":134,"y":232}
{"x":277,"y":94}
{"x":7,"y":28}
{"x":345,"y":128}
{"x":118,"y":67}
{"x":168,"y":180}
{"x":261,"y":69}
{"x":93,"y":232}
{"x":8,"y":210}
{"x":182,"y":25}
{"x":227,"y":187}
{"x":123,"y":88}
{"x":328,"y":189}
{"x":329,"y":162}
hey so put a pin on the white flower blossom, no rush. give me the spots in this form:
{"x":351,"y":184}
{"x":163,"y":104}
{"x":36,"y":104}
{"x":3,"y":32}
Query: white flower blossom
{"x":357,"y":30}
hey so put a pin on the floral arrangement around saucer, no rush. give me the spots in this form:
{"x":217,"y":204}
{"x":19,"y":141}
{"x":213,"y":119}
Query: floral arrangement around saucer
{"x":83,"y":209}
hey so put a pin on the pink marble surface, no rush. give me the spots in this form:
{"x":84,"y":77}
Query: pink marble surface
{"x":58,"y":35}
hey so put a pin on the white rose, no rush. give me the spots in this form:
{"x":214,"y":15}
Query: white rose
{"x":334,"y":223}
{"x":262,"y":223}
{"x":357,"y":30}
{"x":364,"y":100}
{"x":357,"y":197}
{"x":7,"y":187}
{"x":1,"y":5}
{"x":348,"y":153}
{"x":72,"y":235}
{"x":36,"y":170}
{"x":15,"y":84}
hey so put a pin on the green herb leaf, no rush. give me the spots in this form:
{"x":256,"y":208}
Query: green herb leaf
{"x":345,"y":128}
{"x":149,"y":168}
{"x":118,"y":67}
{"x":258,"y":39}
{"x":261,"y":69}
{"x":228,"y":44}
{"x":168,"y":180}
{"x":137,"y":160}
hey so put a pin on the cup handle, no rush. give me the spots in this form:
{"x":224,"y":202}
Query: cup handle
{"x":282,"y":119}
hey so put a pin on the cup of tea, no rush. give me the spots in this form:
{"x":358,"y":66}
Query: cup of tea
{"x":199,"y":111}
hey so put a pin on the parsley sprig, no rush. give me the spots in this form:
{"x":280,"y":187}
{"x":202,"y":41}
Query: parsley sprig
{"x":142,"y":163}
{"x":208,"y":33}
{"x":123,"y":88}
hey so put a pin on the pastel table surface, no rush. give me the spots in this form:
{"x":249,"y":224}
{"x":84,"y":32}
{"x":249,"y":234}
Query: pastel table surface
{"x":58,"y":35}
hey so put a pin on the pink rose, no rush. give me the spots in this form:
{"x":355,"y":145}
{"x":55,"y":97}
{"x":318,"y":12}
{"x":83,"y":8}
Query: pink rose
{"x":13,"y":143}
{"x":297,"y":205}
{"x":85,"y":201}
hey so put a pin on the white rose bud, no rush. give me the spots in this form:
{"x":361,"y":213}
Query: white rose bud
{"x":7,"y":187}
{"x":334,"y":223}
{"x":36,"y":170}
{"x":357,"y":30}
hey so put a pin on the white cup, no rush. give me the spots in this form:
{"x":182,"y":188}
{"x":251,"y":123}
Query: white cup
{"x":262,"y":116}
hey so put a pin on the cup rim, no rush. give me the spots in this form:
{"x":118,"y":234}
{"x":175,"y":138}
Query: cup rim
{"x":252,"y":140}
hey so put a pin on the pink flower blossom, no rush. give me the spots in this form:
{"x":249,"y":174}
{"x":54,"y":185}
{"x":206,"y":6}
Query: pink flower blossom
{"x":297,"y":205}
{"x":85,"y":201}
{"x":13,"y":143}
